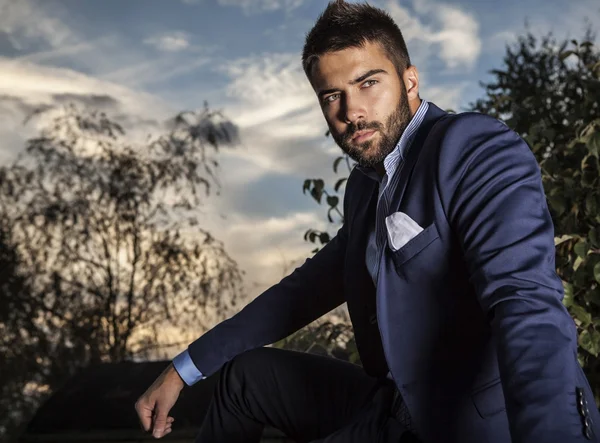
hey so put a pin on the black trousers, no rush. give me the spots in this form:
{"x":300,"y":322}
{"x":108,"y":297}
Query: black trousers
{"x":310,"y":398}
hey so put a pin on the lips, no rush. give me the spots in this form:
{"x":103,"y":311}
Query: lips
{"x":361,"y":136}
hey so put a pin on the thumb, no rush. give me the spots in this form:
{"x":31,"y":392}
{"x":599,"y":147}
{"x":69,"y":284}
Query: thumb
{"x":144,"y":408}
{"x":160,"y":421}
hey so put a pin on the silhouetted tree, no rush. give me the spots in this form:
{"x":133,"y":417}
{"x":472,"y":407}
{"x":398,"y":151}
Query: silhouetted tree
{"x":106,"y":232}
{"x":20,"y":338}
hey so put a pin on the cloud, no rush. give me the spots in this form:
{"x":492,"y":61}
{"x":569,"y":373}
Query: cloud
{"x":256,"y":6}
{"x":268,"y":87}
{"x":439,"y":29}
{"x":10,"y":103}
{"x":174,"y":41}
{"x":35,"y":83}
{"x":28,"y":23}
{"x":498,"y":40}
{"x":26,"y":86}
{"x":568,"y":21}
{"x":447,"y":96}
{"x":282,"y":127}
{"x":267,"y":246}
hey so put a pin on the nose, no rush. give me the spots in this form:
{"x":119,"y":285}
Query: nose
{"x":353,"y":110}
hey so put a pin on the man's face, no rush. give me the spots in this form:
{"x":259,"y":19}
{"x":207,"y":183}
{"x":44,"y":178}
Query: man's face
{"x":363,"y":100}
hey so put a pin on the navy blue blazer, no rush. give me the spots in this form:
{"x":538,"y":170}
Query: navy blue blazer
{"x":467,"y":316}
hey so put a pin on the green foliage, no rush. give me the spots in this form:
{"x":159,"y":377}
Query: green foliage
{"x":548,"y":93}
{"x":324,"y":337}
{"x":316,"y":189}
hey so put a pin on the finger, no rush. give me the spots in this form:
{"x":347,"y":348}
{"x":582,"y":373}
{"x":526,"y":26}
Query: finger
{"x":144,"y":411}
{"x":167,"y":430}
{"x":170,"y":420}
{"x":160,"y":422}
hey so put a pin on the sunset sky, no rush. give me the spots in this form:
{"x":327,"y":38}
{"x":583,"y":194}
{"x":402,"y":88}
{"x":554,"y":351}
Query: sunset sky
{"x":148,"y":59}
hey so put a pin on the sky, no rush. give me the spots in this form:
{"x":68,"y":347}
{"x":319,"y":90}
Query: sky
{"x":149,"y":59}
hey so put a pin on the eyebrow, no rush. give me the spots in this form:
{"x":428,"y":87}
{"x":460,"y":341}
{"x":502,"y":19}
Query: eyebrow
{"x":359,"y":79}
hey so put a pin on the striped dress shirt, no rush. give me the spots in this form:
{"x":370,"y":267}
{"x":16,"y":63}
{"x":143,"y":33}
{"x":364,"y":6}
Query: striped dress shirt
{"x":387,"y":185}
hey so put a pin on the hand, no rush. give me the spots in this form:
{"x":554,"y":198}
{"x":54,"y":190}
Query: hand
{"x":153,"y":407}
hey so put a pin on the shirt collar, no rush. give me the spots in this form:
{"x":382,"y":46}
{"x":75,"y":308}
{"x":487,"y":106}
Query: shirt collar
{"x":391,"y":160}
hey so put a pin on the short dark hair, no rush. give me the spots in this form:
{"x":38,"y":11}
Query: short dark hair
{"x":350,"y":25}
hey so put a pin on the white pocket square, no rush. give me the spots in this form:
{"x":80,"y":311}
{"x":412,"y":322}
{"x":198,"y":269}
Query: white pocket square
{"x":400,"y":229}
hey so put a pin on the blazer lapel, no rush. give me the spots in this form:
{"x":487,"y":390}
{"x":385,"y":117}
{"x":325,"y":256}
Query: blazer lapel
{"x":433,"y":115}
{"x":360,"y":288}
{"x":363,"y":216}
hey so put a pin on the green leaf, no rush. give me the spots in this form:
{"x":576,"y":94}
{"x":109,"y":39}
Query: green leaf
{"x":317,"y":190}
{"x":562,"y":239}
{"x":568,"y":298}
{"x":306,"y":185}
{"x":590,"y":341}
{"x":581,"y":248}
{"x":558,"y":203}
{"x":597,"y":272}
{"x":332,"y":201}
{"x":336,"y":163}
{"x":581,"y":314}
{"x":577,"y":263}
{"x":329,"y":217}
{"x":593,"y":237}
{"x":339,"y":183}
{"x":594,"y":144}
{"x":319,"y":184}
{"x":590,"y":204}
{"x":324,"y":238}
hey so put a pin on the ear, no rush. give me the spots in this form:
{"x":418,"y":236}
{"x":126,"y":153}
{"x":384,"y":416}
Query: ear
{"x":411,"y":82}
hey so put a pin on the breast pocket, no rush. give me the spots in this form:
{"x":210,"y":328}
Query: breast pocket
{"x":416,"y":245}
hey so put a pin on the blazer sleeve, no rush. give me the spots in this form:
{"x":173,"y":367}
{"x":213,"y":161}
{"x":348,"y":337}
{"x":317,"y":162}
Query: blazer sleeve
{"x":494,"y":201}
{"x":311,"y":291}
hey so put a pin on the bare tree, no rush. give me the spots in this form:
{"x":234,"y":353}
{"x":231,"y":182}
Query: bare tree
{"x":106,"y":232}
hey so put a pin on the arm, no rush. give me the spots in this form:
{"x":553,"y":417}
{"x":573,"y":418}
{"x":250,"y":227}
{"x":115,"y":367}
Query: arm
{"x":309,"y":292}
{"x":494,"y":201}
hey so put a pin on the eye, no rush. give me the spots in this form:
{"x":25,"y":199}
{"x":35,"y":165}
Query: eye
{"x":330,"y":98}
{"x":369,"y":83}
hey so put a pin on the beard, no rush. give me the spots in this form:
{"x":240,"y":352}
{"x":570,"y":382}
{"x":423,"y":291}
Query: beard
{"x":373,"y":152}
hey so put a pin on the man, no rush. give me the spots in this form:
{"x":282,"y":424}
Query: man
{"x":446,"y":262}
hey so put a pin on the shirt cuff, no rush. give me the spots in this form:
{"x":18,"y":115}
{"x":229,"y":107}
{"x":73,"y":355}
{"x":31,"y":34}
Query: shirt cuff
{"x":187,"y":369}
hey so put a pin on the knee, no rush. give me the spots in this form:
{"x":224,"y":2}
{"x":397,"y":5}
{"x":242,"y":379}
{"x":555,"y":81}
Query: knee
{"x":250,"y":364}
